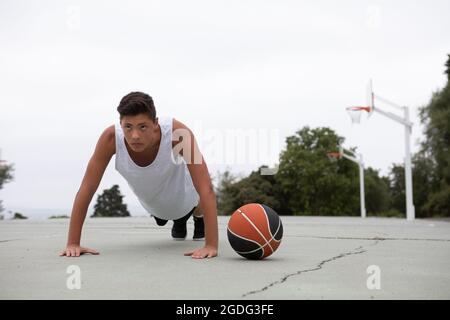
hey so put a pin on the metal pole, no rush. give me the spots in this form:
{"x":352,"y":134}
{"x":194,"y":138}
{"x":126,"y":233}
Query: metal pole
{"x":361,"y":184}
{"x":359,"y":161}
{"x":410,"y":211}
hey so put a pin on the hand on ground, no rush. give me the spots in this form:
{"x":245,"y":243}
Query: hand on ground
{"x":76,"y":250}
{"x":205,"y":252}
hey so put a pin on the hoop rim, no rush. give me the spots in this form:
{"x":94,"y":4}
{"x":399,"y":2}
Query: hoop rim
{"x":335,"y":155}
{"x":360,"y":108}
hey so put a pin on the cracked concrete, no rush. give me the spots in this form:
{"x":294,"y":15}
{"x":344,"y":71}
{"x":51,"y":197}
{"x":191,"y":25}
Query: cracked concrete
{"x":374,"y":238}
{"x":319,"y":258}
{"x":358,"y":250}
{"x":318,"y":267}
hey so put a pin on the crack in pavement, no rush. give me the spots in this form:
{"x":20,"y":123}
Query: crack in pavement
{"x":373,"y":238}
{"x":357,"y":250}
{"x":10,"y":240}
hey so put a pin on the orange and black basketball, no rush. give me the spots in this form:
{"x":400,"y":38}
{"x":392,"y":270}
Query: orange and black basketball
{"x":255,"y":231}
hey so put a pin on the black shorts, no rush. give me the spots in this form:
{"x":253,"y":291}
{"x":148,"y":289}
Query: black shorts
{"x":185,"y":218}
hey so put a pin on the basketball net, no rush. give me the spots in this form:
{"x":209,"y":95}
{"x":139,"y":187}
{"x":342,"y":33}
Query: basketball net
{"x":334,"y":156}
{"x":355,"y":113}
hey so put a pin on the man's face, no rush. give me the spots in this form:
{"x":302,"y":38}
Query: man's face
{"x":140,"y":131}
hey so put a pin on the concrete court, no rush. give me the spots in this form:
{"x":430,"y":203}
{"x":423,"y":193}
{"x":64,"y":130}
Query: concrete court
{"x":319,"y":258}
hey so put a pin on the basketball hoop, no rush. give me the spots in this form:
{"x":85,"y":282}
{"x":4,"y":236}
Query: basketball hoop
{"x":355,"y":113}
{"x":334,"y":156}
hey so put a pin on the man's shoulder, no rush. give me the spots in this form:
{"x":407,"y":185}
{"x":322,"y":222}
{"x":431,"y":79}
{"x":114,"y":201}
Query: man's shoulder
{"x":110,"y":132}
{"x":176,"y":124}
{"x":108,"y":138}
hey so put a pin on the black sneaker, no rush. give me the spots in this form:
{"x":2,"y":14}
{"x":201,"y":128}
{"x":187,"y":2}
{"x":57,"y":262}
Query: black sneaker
{"x":179,"y":230}
{"x":199,"y":229}
{"x":160,"y":222}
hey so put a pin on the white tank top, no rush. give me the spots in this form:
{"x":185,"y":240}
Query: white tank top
{"x":164,"y":187}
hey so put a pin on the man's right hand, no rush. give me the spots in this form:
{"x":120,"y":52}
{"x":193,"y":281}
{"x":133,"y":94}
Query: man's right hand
{"x":75,"y":251}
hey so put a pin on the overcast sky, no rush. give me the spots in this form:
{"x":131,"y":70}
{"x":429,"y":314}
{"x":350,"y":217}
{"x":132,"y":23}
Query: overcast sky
{"x":270,"y":67}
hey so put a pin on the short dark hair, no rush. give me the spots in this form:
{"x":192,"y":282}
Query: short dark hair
{"x":136,"y":103}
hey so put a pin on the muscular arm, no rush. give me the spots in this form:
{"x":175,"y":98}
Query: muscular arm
{"x":202,"y":183}
{"x":104,"y":150}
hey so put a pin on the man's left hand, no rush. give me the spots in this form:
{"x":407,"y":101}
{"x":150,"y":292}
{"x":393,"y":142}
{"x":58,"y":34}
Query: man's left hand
{"x":205,"y":252}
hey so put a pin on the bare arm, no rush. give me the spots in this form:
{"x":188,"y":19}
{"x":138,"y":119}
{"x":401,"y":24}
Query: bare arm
{"x":104,"y":150}
{"x":202,"y":183}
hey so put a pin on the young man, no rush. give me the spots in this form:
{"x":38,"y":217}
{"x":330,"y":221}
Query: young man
{"x":162,"y":164}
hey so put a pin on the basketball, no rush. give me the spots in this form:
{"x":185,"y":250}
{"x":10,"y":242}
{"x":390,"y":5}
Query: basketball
{"x":255,"y":231}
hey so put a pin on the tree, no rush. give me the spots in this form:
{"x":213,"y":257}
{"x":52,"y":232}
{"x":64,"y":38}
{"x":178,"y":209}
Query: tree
{"x":19,"y":216}
{"x":376,"y":191}
{"x":422,"y":176}
{"x":312,"y":184}
{"x":255,"y":188}
{"x":5,"y":176}
{"x":397,"y":187}
{"x":109,"y":204}
{"x":436,"y":118}
{"x":226,"y":193}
